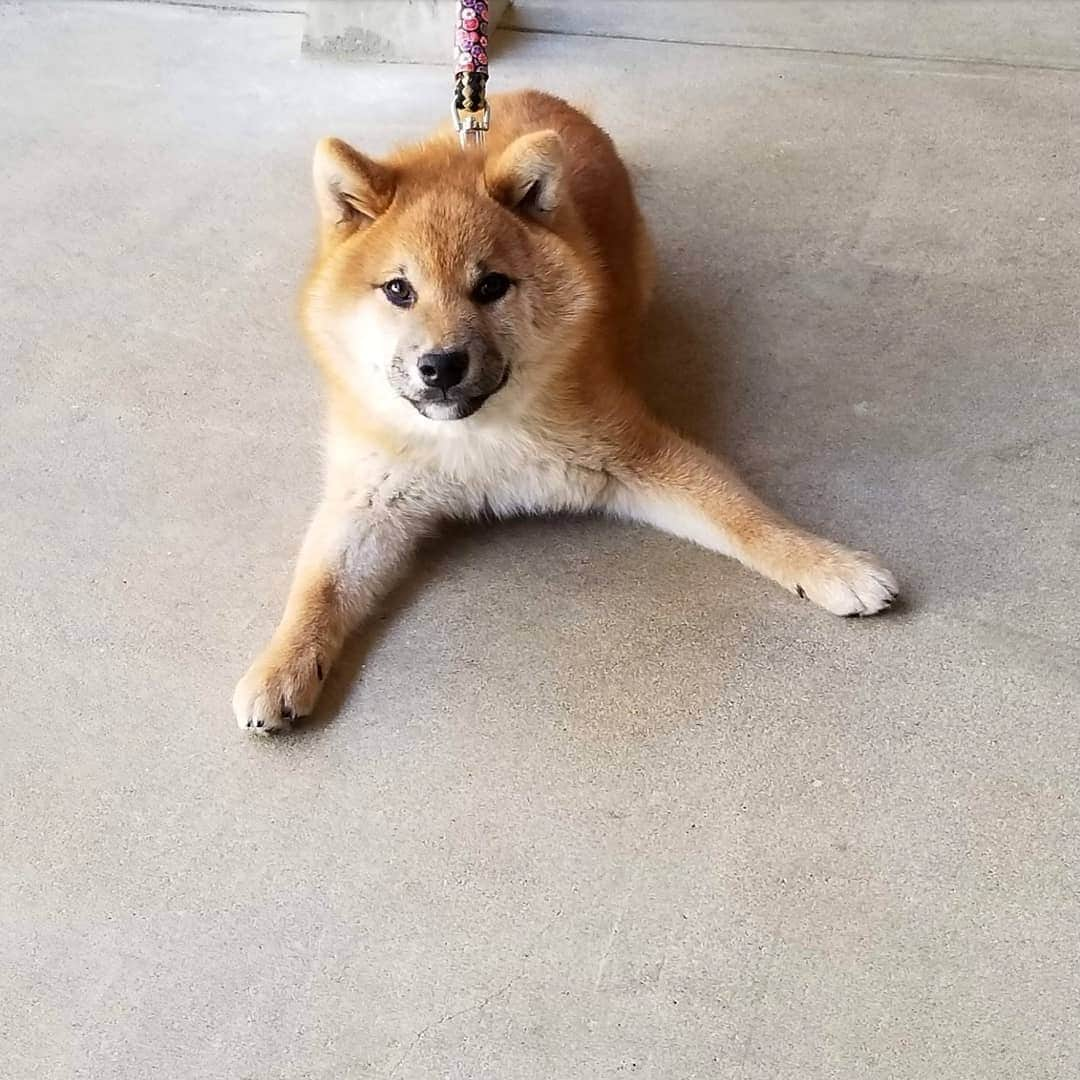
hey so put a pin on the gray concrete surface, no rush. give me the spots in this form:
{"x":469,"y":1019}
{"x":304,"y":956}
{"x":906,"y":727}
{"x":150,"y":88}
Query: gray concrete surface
{"x":586,"y":803}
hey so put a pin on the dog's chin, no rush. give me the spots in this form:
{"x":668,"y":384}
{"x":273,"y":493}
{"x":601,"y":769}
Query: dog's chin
{"x":447,"y":408}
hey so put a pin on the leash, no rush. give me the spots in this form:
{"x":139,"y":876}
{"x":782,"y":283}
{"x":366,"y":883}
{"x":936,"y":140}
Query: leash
{"x":471,"y":112}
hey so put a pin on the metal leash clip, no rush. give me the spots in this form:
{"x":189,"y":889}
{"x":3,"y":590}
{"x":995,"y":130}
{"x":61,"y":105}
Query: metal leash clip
{"x":470,"y":111}
{"x":471,"y":126}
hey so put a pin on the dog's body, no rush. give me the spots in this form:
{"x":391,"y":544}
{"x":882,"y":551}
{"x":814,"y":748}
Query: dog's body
{"x":474,"y":312}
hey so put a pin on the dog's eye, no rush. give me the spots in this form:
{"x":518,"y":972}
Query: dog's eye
{"x":491,"y":287}
{"x":399,"y":292}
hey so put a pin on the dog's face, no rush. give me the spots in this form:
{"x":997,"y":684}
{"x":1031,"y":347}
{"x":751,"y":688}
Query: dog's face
{"x":441,"y":285}
{"x":439,"y":299}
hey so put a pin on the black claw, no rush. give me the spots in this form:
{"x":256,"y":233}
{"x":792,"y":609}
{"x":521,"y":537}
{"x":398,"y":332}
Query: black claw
{"x":799,"y":592}
{"x":258,"y":723}
{"x":318,"y":670}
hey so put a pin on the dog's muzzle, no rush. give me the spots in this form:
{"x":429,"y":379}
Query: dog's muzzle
{"x":449,"y":396}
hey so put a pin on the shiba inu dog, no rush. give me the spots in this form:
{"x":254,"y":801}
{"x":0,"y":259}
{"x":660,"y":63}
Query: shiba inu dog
{"x":474,"y":313}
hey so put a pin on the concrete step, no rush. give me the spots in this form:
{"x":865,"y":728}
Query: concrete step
{"x":1043,"y":33}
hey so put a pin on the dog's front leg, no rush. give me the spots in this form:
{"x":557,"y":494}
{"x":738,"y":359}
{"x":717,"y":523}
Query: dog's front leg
{"x":670,"y":483}
{"x":360,"y":539}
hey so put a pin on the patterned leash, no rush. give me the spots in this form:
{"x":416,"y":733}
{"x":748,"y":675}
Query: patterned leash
{"x":472,"y":114}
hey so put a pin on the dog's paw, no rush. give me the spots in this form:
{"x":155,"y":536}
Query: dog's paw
{"x":280,"y":687}
{"x":844,"y":582}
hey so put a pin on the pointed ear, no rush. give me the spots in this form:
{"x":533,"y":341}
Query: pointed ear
{"x":350,"y":188}
{"x":527,"y":176}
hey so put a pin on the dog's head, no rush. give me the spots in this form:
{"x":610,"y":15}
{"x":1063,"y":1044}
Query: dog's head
{"x":445,"y":278}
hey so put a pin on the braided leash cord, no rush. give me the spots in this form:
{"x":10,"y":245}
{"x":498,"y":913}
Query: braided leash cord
{"x":471,"y":69}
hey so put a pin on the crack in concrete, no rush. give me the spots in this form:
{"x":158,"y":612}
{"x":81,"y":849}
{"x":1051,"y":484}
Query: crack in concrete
{"x":476,"y":1006}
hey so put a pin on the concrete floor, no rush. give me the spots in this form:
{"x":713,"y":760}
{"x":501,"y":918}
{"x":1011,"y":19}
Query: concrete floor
{"x":586,"y":803}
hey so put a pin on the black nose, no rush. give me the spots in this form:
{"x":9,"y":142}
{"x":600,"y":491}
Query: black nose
{"x":443,"y":369}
